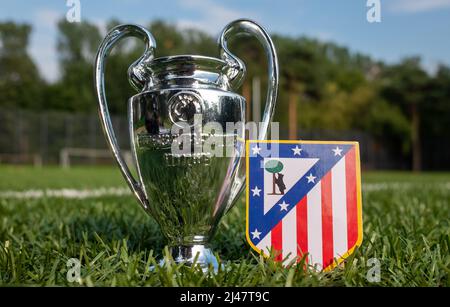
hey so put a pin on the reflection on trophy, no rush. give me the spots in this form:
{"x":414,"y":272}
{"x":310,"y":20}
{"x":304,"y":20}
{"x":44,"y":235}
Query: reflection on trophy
{"x":182,"y":183}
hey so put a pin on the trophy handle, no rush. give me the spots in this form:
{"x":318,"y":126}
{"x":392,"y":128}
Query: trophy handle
{"x":246,"y":26}
{"x":239,"y":27}
{"x":137,"y":79}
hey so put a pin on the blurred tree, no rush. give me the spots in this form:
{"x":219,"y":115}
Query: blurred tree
{"x":406,"y":85}
{"x":302,"y":75}
{"x":436,"y":121}
{"x":20,"y":83}
{"x":250,"y":51}
{"x":169,"y":40}
{"x":77,"y":46}
{"x":198,"y":42}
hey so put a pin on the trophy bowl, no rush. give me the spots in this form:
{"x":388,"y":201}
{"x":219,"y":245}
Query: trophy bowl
{"x":187,"y":129}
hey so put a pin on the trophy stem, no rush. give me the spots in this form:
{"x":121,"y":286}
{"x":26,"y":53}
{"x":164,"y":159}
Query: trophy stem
{"x":200,"y":255}
{"x":189,"y":255}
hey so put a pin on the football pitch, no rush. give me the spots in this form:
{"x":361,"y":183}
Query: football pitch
{"x":50,"y":215}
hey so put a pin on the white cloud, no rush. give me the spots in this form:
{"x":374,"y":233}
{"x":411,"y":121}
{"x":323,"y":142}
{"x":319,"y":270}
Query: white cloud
{"x":46,"y":59}
{"x":47,"y":18}
{"x":324,"y":36}
{"x":213,"y":15}
{"x":43,"y":42}
{"x":101,"y":24}
{"x":417,"y":6}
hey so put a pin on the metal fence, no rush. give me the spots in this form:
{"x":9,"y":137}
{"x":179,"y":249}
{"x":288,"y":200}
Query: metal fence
{"x":42,"y":138}
{"x":39,"y":137}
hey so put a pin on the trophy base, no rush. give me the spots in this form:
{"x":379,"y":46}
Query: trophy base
{"x":198,"y":255}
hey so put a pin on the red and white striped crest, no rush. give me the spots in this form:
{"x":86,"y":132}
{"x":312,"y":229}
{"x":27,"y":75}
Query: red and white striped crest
{"x":304,"y":200}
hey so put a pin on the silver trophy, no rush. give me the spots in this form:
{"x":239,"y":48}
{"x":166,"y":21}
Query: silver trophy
{"x":187,"y":193}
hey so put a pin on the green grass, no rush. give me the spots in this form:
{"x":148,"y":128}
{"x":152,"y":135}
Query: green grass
{"x":406,"y":228}
{"x":54,"y":177}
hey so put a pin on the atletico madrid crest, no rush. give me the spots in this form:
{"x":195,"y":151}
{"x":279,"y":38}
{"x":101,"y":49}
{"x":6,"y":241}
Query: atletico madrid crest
{"x":304,"y":200}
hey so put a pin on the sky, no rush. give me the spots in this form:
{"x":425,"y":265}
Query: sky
{"x":407,"y":27}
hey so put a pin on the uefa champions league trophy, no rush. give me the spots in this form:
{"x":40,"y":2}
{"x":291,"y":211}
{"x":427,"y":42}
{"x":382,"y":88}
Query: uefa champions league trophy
{"x":186,"y":193}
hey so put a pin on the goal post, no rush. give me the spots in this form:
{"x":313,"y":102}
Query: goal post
{"x":67,"y":154}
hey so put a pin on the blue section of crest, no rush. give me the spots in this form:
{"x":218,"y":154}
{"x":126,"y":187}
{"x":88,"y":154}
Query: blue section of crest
{"x":264,"y":223}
